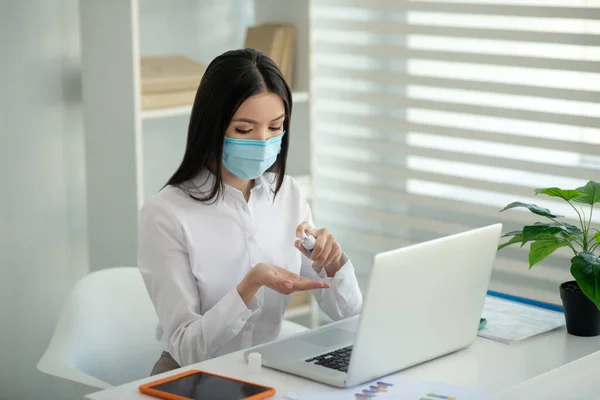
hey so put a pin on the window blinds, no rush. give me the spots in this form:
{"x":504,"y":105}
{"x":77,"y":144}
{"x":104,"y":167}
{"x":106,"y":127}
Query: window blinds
{"x":434,"y":115}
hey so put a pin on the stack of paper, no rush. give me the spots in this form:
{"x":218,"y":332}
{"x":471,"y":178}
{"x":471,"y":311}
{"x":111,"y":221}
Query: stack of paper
{"x":393,"y":387}
{"x":510,"y":321}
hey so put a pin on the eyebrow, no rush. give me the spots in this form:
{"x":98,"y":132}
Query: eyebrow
{"x":251,"y":121}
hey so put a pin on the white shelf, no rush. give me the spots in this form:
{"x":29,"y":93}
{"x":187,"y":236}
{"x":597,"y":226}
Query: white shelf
{"x":298,"y":97}
{"x":167,"y":112}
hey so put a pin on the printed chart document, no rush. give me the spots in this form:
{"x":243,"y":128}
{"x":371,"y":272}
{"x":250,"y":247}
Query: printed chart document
{"x":510,"y":321}
{"x":392,"y":387}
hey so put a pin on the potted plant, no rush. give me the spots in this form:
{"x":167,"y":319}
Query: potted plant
{"x":580,"y":297}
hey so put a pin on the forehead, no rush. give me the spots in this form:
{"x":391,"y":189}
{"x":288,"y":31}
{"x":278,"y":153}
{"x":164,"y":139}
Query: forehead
{"x":262,"y":107}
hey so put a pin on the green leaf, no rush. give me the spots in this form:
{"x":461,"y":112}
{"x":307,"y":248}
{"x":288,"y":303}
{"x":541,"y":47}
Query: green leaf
{"x":540,"y":231}
{"x":591,"y":191}
{"x":568,"y":195}
{"x":597,"y":237}
{"x":515,"y":239}
{"x":544,"y":212}
{"x":513,"y":233}
{"x":541,"y":249}
{"x":585,"y":268}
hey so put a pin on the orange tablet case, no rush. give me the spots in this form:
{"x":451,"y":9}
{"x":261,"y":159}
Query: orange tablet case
{"x":147,"y":388}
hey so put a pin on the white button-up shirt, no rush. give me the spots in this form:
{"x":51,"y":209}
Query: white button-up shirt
{"x":192,"y":255}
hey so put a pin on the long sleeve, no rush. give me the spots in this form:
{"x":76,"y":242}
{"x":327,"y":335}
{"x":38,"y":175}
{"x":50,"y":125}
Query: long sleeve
{"x":164,"y":264}
{"x":343,"y":299}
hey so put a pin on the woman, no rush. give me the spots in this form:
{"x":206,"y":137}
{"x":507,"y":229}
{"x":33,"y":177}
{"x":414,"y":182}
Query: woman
{"x":219,"y":249}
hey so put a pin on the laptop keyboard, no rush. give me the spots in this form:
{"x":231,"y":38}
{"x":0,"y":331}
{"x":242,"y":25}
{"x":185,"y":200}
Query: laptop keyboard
{"x":337,"y":359}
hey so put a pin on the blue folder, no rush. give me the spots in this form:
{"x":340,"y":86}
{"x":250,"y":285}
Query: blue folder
{"x":524,"y":300}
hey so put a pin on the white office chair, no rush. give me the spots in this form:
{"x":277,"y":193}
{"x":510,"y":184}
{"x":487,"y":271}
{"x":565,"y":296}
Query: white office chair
{"x":105,"y":335}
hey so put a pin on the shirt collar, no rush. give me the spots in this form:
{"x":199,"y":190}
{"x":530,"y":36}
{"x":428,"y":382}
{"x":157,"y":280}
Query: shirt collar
{"x":266,"y":183}
{"x":204,"y":181}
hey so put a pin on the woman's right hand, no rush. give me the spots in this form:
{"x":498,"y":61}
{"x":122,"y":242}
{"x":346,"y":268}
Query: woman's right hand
{"x":279,"y":279}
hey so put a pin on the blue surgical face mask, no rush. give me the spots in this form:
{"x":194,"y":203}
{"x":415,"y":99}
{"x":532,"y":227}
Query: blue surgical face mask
{"x":249,"y":159}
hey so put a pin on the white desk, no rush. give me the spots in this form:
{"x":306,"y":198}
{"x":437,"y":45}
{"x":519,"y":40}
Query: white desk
{"x":575,"y":381}
{"x":489,"y":365}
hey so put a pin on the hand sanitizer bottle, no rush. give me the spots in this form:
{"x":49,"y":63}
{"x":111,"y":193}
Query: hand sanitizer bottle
{"x":308,"y":242}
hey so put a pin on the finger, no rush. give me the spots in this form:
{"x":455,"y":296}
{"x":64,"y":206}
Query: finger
{"x":305,"y":227}
{"x":320,"y":244}
{"x":322,"y":260}
{"x":336,"y":253}
{"x":289,"y":281}
{"x":309,"y":284}
{"x":302,"y":249}
{"x":286,"y":286}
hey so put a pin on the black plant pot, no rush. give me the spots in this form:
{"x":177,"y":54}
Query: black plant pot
{"x":581,"y":314}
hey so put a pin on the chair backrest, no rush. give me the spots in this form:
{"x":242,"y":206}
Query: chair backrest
{"x":106,"y":331}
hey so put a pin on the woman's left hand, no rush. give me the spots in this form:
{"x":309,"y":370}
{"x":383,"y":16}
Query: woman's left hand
{"x":327,"y":251}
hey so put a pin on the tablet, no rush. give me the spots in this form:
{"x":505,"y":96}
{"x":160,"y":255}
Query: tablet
{"x":200,"y":385}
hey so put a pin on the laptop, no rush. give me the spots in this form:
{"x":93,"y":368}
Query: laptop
{"x":423,"y":301}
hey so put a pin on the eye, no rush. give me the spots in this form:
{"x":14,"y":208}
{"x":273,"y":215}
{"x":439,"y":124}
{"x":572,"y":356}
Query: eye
{"x":275,"y":129}
{"x":242,"y":131}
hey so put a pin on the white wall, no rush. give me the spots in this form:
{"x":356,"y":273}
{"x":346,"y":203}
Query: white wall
{"x":42,"y":226}
{"x":42,"y":178}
